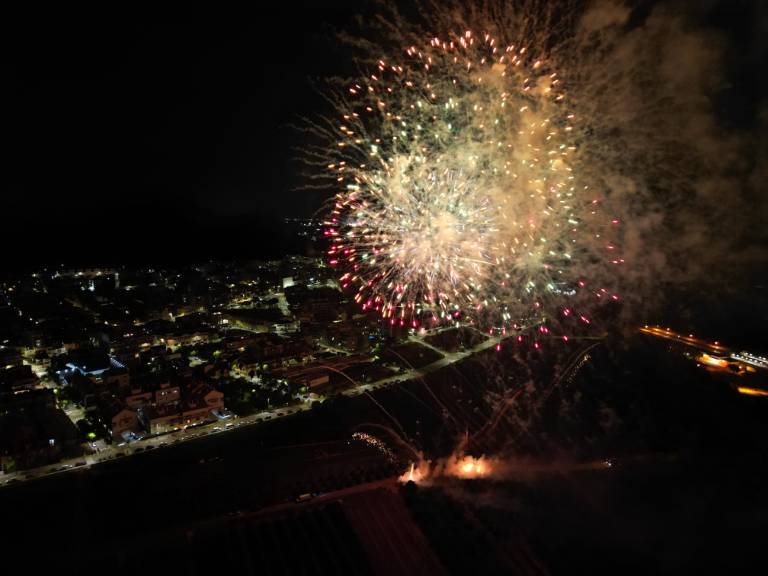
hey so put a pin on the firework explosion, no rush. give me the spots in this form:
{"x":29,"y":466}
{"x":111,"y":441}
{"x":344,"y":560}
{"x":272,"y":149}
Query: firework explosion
{"x":467,"y":166}
{"x":460,"y":190}
{"x":456,"y":465}
{"x":496,"y":161}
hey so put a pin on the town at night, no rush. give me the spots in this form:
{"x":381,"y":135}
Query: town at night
{"x":387,"y":287}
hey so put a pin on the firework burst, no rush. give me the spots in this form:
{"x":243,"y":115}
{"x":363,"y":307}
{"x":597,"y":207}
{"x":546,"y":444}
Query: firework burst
{"x":460,"y":194}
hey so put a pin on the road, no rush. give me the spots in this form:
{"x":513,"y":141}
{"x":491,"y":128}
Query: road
{"x":689,"y":340}
{"x":735,"y":364}
{"x":417,"y":373}
{"x":163,"y":441}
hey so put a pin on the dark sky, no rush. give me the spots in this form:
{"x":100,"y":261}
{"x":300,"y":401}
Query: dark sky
{"x":144,"y":137}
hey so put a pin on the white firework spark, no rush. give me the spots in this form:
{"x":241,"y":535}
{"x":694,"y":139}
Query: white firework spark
{"x":458,"y":195}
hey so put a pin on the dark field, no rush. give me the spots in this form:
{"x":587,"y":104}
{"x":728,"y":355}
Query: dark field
{"x":455,"y":339}
{"x":411,"y":355}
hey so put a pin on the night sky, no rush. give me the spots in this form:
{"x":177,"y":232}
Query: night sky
{"x":147,"y":137}
{"x":159,"y":137}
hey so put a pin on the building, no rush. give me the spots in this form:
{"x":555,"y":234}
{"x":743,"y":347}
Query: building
{"x":152,"y":387}
{"x":196,"y":408}
{"x":313,"y":377}
{"x":208,"y":396}
{"x":9,"y":358}
{"x":89,"y":362}
{"x":247,"y":363}
{"x":167,"y":393}
{"x":199,"y":404}
{"x":34,"y":434}
{"x":119,"y":419}
{"x":138,"y":397}
{"x":317,"y":374}
{"x":194,"y":411}
{"x":12,"y":402}
{"x":17,"y":378}
{"x":161,"y":419}
{"x":117,"y":378}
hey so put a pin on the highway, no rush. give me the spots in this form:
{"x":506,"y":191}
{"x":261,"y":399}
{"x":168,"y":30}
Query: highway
{"x":667,"y":334}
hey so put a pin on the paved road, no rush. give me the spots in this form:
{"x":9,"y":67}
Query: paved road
{"x":689,"y":340}
{"x":416,"y":373}
{"x":163,"y":441}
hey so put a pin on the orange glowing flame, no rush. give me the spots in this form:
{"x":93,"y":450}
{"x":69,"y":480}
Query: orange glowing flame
{"x":469,"y":467}
{"x":455,"y":466}
{"x":414,"y":473}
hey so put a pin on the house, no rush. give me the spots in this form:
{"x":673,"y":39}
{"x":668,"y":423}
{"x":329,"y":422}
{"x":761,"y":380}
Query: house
{"x":9,"y":358}
{"x":207,"y":395}
{"x":42,"y":358}
{"x":199,"y":403}
{"x":117,"y":378}
{"x":166,"y":393}
{"x":56,"y":427}
{"x":118,"y":418}
{"x":89,"y":362}
{"x":17,"y":378}
{"x":283,"y":352}
{"x":138,"y":397}
{"x":246,"y":363}
{"x":160,"y":419}
{"x":238,"y":340}
{"x":195,"y":411}
{"x":313,"y":376}
{"x":144,"y":390}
